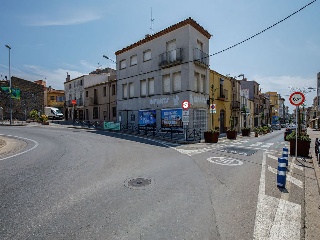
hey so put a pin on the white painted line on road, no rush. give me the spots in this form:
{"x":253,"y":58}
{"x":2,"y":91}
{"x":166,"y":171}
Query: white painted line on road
{"x":289,"y":177}
{"x":290,"y":164}
{"x":35,"y":142}
{"x":287,"y":221}
{"x":275,"y":218}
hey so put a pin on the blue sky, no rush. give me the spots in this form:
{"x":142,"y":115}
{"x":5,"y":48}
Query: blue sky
{"x":50,"y":38}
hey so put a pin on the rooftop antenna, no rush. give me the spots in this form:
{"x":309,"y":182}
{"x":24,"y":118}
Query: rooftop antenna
{"x":151,"y":26}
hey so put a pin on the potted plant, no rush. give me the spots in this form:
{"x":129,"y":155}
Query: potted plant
{"x":256,"y":131}
{"x":211,"y":136}
{"x":245,"y":131}
{"x":44,"y":119}
{"x":303,"y":144}
{"x":231,"y":133}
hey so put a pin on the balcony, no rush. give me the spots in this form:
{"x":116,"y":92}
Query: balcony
{"x":171,"y":58}
{"x":235,"y":105}
{"x":79,"y":102}
{"x":201,"y":58}
{"x":223,"y":95}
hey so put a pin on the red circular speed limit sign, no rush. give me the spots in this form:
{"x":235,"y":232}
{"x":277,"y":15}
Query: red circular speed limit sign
{"x":296,"y":98}
{"x":185,"y":105}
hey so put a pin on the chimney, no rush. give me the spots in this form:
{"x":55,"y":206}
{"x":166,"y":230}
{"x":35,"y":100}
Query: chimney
{"x":147,"y":35}
{"x":68,"y":77}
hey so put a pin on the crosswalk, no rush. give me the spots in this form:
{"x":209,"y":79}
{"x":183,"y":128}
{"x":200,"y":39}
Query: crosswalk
{"x":222,"y":145}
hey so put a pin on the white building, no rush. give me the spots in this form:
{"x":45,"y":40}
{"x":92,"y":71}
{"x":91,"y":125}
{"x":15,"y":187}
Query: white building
{"x":156,"y":74}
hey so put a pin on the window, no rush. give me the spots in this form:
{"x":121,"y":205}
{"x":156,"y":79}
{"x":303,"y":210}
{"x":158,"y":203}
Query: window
{"x":143,"y":88}
{"x":199,"y":45}
{"x":133,"y":60}
{"x":172,"y":51}
{"x":151,"y":86}
{"x":104,"y":91}
{"x":95,"y":114}
{"x":125,"y":91}
{"x":177,"y":81}
{"x":203,"y":84}
{"x":123,"y":64}
{"x":196,"y":82}
{"x":131,"y":90}
{"x":52,"y":98}
{"x":69,"y":85}
{"x":105,"y":115}
{"x":87,"y":94}
{"x":147,"y":55}
{"x":81,"y":82}
{"x":166,"y":83}
{"x":113,"y":89}
{"x":114,"y":111}
{"x":60,"y":98}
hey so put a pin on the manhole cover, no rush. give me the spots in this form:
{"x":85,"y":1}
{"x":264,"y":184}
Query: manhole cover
{"x":138,"y":183}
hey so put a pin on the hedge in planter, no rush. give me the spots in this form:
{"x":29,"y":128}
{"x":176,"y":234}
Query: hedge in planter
{"x":303,"y":144}
{"x":211,"y":136}
{"x":231,"y":134}
{"x":245,"y":131}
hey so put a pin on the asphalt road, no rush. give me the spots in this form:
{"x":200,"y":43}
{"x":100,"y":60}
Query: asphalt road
{"x":80,"y":184}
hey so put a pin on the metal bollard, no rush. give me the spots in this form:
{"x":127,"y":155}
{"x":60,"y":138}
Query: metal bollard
{"x":281,"y":176}
{"x":285,"y":155}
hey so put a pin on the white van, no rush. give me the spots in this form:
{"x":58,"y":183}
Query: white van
{"x":53,"y":113}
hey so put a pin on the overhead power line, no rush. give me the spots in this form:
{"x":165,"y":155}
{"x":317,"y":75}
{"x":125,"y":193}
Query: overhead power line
{"x":264,"y":29}
{"x":155,"y":70}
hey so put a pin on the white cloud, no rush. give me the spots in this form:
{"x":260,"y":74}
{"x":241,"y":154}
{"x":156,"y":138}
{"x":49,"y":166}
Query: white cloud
{"x":64,"y":19}
{"x":55,"y":78}
{"x":285,"y":85}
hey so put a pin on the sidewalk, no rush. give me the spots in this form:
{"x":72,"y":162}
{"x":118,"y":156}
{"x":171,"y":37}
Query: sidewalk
{"x":312,"y":192}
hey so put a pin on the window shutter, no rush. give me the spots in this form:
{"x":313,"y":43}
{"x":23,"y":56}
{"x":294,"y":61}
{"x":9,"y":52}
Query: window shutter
{"x":166,"y":84}
{"x":177,"y":81}
{"x":125,"y":91}
{"x":151,"y":86}
{"x":131,"y":90}
{"x":143,"y":88}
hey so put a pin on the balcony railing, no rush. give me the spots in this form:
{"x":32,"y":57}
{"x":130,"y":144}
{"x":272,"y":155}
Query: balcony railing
{"x":171,"y":58}
{"x":235,"y":105}
{"x":223,"y":95}
{"x":200,"y":57}
{"x":79,"y":101}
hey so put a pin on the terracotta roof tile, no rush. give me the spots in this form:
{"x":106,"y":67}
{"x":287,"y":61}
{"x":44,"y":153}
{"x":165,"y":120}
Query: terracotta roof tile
{"x":176,"y":26}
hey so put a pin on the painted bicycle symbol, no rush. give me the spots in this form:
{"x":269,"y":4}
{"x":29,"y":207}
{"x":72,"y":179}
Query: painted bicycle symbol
{"x":227,"y":161}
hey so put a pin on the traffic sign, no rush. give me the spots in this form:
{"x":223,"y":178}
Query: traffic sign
{"x":74,"y":102}
{"x":296,"y":98}
{"x":185,"y":105}
{"x":213,"y":108}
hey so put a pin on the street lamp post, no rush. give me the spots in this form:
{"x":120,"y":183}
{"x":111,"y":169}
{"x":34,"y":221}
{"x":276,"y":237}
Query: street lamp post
{"x":9,"y":48}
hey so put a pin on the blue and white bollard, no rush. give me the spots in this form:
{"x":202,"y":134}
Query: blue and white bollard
{"x":285,"y":155}
{"x":281,"y":176}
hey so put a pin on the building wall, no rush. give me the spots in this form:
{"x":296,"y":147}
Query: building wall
{"x":186,"y":38}
{"x":104,"y":103}
{"x":31,"y":97}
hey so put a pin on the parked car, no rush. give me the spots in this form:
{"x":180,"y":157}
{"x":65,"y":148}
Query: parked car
{"x":288,"y":130}
{"x":276,"y":127}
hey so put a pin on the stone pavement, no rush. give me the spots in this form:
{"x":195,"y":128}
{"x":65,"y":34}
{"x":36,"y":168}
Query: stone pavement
{"x":312,"y":191}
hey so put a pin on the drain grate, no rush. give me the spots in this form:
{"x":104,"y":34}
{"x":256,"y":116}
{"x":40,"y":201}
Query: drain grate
{"x":138,"y":183}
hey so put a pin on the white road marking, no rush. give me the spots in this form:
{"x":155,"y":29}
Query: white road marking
{"x":275,"y":218}
{"x":289,"y":177}
{"x":35,"y":142}
{"x":290,"y":164}
{"x":225,"y":161}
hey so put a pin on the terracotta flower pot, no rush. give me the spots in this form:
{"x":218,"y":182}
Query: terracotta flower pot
{"x":303,"y":148}
{"x":245,"y":132}
{"x":211,"y":137}
{"x":232,"y":134}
